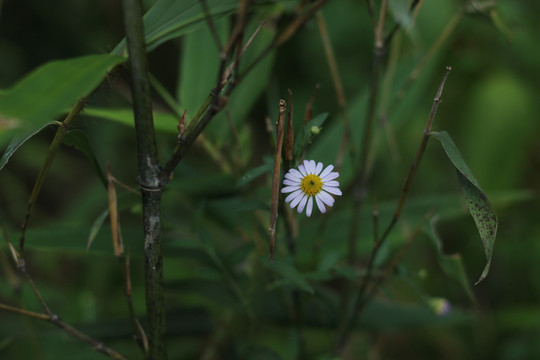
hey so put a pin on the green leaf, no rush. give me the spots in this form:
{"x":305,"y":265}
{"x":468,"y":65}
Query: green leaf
{"x":308,"y":133}
{"x":452,"y":265}
{"x":162,"y":121}
{"x":400,"y":10}
{"x":79,"y":140}
{"x":96,"y":226}
{"x":197,"y":85}
{"x":289,"y":273}
{"x":255,"y":83}
{"x":477,"y":202}
{"x":169,"y":19}
{"x":45,"y":93}
{"x":17,"y":142}
{"x":500,"y":24}
{"x":254,"y":173}
{"x":198,"y":68}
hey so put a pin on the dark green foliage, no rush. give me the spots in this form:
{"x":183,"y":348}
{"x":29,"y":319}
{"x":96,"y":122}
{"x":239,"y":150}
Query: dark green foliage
{"x":225,"y":299}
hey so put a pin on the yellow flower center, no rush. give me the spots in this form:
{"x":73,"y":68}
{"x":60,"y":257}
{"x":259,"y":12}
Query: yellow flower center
{"x":311,"y":184}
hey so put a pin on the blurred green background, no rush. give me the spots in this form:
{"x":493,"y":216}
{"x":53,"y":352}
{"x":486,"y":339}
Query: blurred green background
{"x":225,"y":300}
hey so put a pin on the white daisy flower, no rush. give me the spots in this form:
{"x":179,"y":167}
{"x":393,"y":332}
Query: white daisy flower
{"x":308,"y":182}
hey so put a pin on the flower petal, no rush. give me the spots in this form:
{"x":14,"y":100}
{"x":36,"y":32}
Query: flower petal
{"x":326,"y":198}
{"x":290,"y":182}
{"x":302,"y":170}
{"x":330,"y":176}
{"x":333,"y":190}
{"x":294,"y":195}
{"x":288,"y":189}
{"x":307,"y":166}
{"x":309,"y":206}
{"x":297,"y":200}
{"x":302,"y":204}
{"x":327,"y":171}
{"x":294,"y":174}
{"x":332,"y":183}
{"x":318,"y":168}
{"x":320,"y":204}
{"x":313,"y":166}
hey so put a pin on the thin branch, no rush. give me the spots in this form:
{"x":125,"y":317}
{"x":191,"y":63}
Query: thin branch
{"x":285,"y":35}
{"x":211,"y":25}
{"x":291,"y":227}
{"x":234,"y":64}
{"x":280,"y":125}
{"x":126,"y":273}
{"x":445,"y":34}
{"x":49,"y":315}
{"x":118,"y":244}
{"x":214,"y":105}
{"x":350,"y":321}
{"x":297,"y":23}
{"x":118,"y":247}
{"x":338,"y":86}
{"x":53,"y":149}
{"x":395,"y":261}
{"x":415,"y":7}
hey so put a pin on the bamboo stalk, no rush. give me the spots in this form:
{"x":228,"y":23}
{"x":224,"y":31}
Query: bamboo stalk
{"x":149,"y":179}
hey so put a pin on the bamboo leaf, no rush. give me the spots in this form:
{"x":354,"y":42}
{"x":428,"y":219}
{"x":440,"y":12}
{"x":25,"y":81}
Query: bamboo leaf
{"x":17,"y":142}
{"x":308,"y":133}
{"x":477,"y":202}
{"x":169,"y":19}
{"x":452,"y":264}
{"x":199,"y":67}
{"x":162,"y":121}
{"x":254,"y":173}
{"x":79,"y":140}
{"x":44,"y":94}
{"x":96,"y":226}
{"x":400,"y":10}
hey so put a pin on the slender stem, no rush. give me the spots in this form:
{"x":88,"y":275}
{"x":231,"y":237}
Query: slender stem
{"x":395,"y":261}
{"x":211,"y":25}
{"x":361,"y":175}
{"x":338,"y":87}
{"x":139,"y":331}
{"x":286,"y":34}
{"x":49,"y":315}
{"x":280,"y":126}
{"x":53,"y":149}
{"x":97,"y":345}
{"x":29,"y":313}
{"x":288,"y":157}
{"x":149,"y":179}
{"x":415,"y":73}
{"x":361,"y":298}
{"x":213,"y":103}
